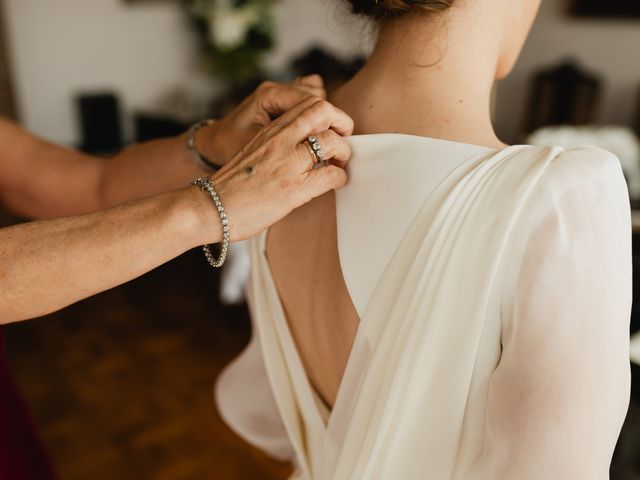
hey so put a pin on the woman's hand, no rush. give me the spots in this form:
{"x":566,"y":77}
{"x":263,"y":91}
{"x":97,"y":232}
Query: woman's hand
{"x":222,"y":140}
{"x":274,"y":174}
{"x":58,"y":262}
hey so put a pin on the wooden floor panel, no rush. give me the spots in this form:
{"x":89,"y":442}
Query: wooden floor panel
{"x":121,"y":385}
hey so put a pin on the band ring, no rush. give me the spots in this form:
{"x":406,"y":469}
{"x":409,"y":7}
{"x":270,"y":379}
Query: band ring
{"x":317,"y":150}
{"x":314,"y":158}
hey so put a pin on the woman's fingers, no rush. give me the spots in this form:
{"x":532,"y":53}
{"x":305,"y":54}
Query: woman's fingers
{"x":287,"y":118}
{"x":316,"y":92}
{"x":336,"y":149}
{"x":316,"y":117}
{"x":322,"y":180}
{"x":313,"y":80}
{"x":276,"y":98}
{"x":294,"y":112}
{"x":313,"y":84}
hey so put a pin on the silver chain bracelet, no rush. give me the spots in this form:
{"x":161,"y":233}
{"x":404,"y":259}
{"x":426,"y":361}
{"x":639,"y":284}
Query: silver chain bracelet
{"x":198,"y":158}
{"x":207,"y":186}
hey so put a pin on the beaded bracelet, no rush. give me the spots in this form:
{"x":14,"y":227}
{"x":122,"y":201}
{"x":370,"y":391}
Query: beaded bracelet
{"x":207,"y":186}
{"x":196,"y":156}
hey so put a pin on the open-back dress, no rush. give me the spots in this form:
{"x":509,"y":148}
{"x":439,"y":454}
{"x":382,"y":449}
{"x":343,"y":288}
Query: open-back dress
{"x":494,"y":293}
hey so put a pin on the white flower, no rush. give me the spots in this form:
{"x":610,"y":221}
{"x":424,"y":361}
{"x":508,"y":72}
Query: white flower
{"x":228,"y":26}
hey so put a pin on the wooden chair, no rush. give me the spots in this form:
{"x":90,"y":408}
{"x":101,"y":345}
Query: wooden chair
{"x":562,"y":95}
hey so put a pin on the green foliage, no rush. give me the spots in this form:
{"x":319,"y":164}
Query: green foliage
{"x":236,"y":35}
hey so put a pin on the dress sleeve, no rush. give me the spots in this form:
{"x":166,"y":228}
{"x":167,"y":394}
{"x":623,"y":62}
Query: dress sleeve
{"x":560,"y":393}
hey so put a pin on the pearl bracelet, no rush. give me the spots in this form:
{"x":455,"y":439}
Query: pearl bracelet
{"x":207,"y":186}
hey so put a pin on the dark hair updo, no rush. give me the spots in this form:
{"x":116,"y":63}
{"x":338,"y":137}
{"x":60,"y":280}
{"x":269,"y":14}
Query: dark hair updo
{"x":380,"y":9}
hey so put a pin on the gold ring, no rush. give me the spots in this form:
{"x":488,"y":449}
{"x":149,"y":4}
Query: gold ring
{"x":314,"y":157}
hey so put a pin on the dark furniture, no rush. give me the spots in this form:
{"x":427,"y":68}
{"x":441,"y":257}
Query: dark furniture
{"x":100,"y":122}
{"x":608,"y":8}
{"x":562,"y":95}
{"x":149,"y":126}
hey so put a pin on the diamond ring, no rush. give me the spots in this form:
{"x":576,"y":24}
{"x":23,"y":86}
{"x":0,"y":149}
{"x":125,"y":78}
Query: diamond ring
{"x":318,"y":151}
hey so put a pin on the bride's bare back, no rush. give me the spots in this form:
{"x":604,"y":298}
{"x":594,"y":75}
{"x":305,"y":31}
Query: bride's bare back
{"x":422,"y":79}
{"x":303,"y":254}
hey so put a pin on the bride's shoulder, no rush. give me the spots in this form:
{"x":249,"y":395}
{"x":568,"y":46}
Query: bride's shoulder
{"x":568,"y":168}
{"x":587,"y":160}
{"x":553,"y":182}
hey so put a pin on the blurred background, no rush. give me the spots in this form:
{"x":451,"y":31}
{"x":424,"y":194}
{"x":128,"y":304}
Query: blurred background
{"x":121,"y":385}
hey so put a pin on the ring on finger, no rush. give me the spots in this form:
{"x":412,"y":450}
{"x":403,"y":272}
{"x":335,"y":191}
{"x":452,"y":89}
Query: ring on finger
{"x":314,"y":157}
{"x":318,"y":151}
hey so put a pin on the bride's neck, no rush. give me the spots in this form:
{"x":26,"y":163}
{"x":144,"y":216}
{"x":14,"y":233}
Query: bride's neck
{"x":427,"y":76}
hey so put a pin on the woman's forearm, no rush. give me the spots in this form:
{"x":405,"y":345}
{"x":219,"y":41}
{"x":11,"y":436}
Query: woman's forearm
{"x":147,"y":169}
{"x":39,"y":179}
{"x":50,"y":264}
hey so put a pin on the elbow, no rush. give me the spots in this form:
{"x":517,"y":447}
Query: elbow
{"x":10,"y":314}
{"x":10,"y":311}
{"x":15,"y":307}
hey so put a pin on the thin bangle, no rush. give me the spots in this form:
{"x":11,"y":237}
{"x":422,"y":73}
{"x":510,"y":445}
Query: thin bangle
{"x":207,"y":186}
{"x":196,"y":156}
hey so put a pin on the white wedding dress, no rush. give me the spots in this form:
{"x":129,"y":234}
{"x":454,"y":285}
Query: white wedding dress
{"x":494,"y":291}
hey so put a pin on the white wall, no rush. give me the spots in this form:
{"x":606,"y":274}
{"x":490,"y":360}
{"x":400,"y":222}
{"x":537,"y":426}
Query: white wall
{"x":59,"y":48}
{"x":62,"y":47}
{"x":325,"y":22}
{"x":608,"y":47}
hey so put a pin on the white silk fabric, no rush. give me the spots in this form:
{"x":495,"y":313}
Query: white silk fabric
{"x":493,"y":341}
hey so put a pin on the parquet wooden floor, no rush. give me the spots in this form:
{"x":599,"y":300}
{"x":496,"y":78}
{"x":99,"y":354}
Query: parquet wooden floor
{"x":121,"y":384}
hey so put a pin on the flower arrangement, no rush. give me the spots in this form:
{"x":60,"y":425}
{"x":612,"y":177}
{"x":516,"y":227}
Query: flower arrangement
{"x":237,"y":34}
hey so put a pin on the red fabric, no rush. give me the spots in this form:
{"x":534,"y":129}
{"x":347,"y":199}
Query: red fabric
{"x":22,"y":455}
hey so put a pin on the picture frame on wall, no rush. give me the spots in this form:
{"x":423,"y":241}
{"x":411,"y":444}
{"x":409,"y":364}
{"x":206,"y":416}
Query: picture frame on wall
{"x":605,"y":8}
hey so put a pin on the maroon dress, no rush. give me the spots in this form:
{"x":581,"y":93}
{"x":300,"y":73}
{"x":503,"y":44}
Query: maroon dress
{"x":22,"y":455}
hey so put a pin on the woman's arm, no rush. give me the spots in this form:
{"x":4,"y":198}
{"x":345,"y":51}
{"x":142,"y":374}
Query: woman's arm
{"x":49,"y":264}
{"x":560,"y":393}
{"x":39,"y":179}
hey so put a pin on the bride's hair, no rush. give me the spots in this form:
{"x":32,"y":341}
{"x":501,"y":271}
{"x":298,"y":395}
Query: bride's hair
{"x":380,"y":9}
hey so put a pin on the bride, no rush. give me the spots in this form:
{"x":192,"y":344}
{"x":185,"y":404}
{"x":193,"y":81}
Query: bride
{"x":460,"y":310}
